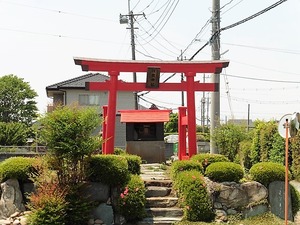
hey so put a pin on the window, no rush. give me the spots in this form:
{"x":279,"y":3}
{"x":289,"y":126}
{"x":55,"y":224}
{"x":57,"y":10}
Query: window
{"x":89,"y":99}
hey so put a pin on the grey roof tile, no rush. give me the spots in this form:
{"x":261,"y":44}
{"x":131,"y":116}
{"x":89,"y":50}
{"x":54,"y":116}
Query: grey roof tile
{"x":79,"y":82}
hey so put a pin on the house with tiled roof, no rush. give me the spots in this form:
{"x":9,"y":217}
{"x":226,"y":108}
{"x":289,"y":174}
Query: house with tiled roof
{"x":73,"y":91}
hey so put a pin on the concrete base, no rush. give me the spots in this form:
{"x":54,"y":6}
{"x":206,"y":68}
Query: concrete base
{"x":150,"y":151}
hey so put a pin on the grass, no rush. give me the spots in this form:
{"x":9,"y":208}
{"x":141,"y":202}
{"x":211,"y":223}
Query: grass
{"x":264,"y":219}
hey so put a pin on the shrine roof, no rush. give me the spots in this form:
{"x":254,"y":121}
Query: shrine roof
{"x":144,"y":116}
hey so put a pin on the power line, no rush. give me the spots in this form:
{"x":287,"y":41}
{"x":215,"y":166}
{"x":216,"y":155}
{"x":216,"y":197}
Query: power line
{"x":236,"y":24}
{"x":165,"y":22}
{"x":282,"y":102}
{"x":55,"y":35}
{"x":167,"y":41}
{"x":288,"y":51}
{"x":261,"y":79}
{"x":232,"y":7}
{"x":264,"y":89}
{"x":58,"y":11}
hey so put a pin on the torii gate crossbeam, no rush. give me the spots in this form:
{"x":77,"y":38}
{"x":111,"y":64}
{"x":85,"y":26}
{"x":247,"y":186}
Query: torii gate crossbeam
{"x":114,"y":67}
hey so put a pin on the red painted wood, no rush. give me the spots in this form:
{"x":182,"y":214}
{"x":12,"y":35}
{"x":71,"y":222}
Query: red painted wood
{"x":182,"y":132}
{"x":90,"y":64}
{"x":130,"y":116}
{"x":104,"y":127}
{"x":124,"y":86}
{"x":111,"y":113}
{"x":191,"y":114}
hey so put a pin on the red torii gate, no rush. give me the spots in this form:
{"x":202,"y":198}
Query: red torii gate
{"x":189,"y":68}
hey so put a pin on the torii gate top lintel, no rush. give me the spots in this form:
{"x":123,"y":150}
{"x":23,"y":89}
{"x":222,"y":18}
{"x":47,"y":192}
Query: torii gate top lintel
{"x":91,"y":64}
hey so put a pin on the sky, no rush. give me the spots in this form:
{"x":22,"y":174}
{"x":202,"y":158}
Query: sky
{"x":40,"y":38}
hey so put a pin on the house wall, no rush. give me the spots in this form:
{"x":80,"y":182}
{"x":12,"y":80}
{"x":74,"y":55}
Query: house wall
{"x":125,"y":100}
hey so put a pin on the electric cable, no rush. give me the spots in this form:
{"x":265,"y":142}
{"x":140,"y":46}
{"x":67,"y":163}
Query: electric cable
{"x":261,"y":79}
{"x":214,"y":35}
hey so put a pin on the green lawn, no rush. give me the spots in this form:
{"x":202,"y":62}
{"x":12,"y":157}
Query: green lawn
{"x":265,"y":219}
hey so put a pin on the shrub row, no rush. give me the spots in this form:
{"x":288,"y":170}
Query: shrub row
{"x":119,"y":168}
{"x":193,"y":196}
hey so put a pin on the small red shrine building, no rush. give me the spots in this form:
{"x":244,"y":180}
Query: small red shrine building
{"x":145,"y":133}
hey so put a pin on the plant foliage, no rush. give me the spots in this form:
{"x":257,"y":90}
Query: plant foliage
{"x":227,"y":138}
{"x":132,"y":200}
{"x":267,"y":172}
{"x":13,"y":134}
{"x":108,"y":169}
{"x":68,"y":132}
{"x":224,"y":171}
{"x":20,"y":168}
{"x":184,"y":165}
{"x":206,"y":159}
{"x":193,"y":196}
{"x":17,"y":102}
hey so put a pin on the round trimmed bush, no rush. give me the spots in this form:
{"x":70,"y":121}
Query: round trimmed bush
{"x":224,"y":171}
{"x":206,"y":159}
{"x":19,"y":168}
{"x":184,"y":165}
{"x":108,"y":169}
{"x":267,"y":172}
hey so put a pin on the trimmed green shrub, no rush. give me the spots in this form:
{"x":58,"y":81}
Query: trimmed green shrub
{"x":183,"y":165}
{"x":193,"y":196}
{"x":134,"y":163}
{"x":119,"y":151}
{"x":108,"y":169}
{"x":224,"y":171}
{"x":19,"y":168}
{"x":295,"y":196}
{"x":267,"y":172}
{"x":132,"y":199}
{"x":206,"y":159}
{"x":295,"y":154}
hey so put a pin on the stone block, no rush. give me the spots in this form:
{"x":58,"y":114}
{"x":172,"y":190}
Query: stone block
{"x":255,"y":210}
{"x":104,"y":212}
{"x":277,"y":199}
{"x":96,"y":191}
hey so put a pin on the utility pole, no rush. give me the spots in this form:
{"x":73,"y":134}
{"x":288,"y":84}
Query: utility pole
{"x":203,"y":108}
{"x":215,"y":78}
{"x":124,"y":20}
{"x":182,"y":93}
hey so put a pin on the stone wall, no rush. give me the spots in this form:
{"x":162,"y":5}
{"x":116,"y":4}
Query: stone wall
{"x":230,"y":198}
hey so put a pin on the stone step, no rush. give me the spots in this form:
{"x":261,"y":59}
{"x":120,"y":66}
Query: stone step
{"x":161,"y":202}
{"x":159,"y":221}
{"x":155,"y":191}
{"x":151,"y":165}
{"x":153,"y":171}
{"x":154,"y":177}
{"x":164,"y":212}
{"x":158,"y":183}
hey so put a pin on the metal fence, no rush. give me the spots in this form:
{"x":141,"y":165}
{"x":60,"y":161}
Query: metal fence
{"x":23,"y":149}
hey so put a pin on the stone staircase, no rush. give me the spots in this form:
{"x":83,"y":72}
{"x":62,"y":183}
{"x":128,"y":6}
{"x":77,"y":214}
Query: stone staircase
{"x":161,"y":205}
